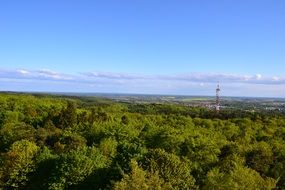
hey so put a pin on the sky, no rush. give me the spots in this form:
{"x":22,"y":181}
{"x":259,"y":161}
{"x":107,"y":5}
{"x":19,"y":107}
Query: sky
{"x":182,"y":47}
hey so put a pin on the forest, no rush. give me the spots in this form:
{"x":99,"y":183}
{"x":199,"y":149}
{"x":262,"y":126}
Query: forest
{"x":62,"y":142}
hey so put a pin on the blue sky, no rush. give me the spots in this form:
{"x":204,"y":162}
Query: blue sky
{"x":144,"y":46}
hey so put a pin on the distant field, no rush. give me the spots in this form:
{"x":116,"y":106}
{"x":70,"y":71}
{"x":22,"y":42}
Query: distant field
{"x":195,"y":99}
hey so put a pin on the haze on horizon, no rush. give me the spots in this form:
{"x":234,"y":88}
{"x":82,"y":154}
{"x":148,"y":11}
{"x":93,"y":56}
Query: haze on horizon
{"x":149,"y":47}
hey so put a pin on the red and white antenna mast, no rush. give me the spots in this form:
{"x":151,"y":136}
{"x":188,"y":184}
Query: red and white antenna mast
{"x":218,"y":100}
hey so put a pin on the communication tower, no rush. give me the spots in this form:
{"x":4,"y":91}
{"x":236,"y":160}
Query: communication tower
{"x":218,"y":100}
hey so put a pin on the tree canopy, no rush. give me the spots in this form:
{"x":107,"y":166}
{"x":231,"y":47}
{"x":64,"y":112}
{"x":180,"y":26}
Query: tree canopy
{"x":55,"y":142}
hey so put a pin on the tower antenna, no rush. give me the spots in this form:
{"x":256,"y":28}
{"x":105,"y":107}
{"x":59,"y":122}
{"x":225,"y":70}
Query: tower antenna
{"x":218,"y":100}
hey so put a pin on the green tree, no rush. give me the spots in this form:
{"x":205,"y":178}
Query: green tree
{"x":260,"y":158}
{"x":240,"y":178}
{"x":68,"y":116}
{"x":18,"y":162}
{"x":74,"y":167}
{"x":139,"y":179}
{"x":172,"y":169}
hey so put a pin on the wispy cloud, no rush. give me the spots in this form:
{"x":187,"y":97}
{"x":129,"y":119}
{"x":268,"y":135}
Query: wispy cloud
{"x":227,"y":78}
{"x":200,"y":78}
{"x":186,"y":83}
{"x":89,"y":77}
{"x":109,"y":75}
{"x":43,"y":74}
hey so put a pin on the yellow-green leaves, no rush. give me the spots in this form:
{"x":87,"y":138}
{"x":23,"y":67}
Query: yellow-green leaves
{"x":19,"y":161}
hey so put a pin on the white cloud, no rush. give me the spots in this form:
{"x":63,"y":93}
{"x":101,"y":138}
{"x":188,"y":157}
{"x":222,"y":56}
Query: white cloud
{"x":110,"y":75}
{"x":188,"y":83}
{"x":24,"y":72}
{"x":48,"y":74}
{"x":258,"y":76}
{"x":88,"y":77}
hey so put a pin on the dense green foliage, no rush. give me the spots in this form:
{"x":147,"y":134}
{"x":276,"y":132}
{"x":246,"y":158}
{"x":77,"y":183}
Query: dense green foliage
{"x":89,"y":143}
